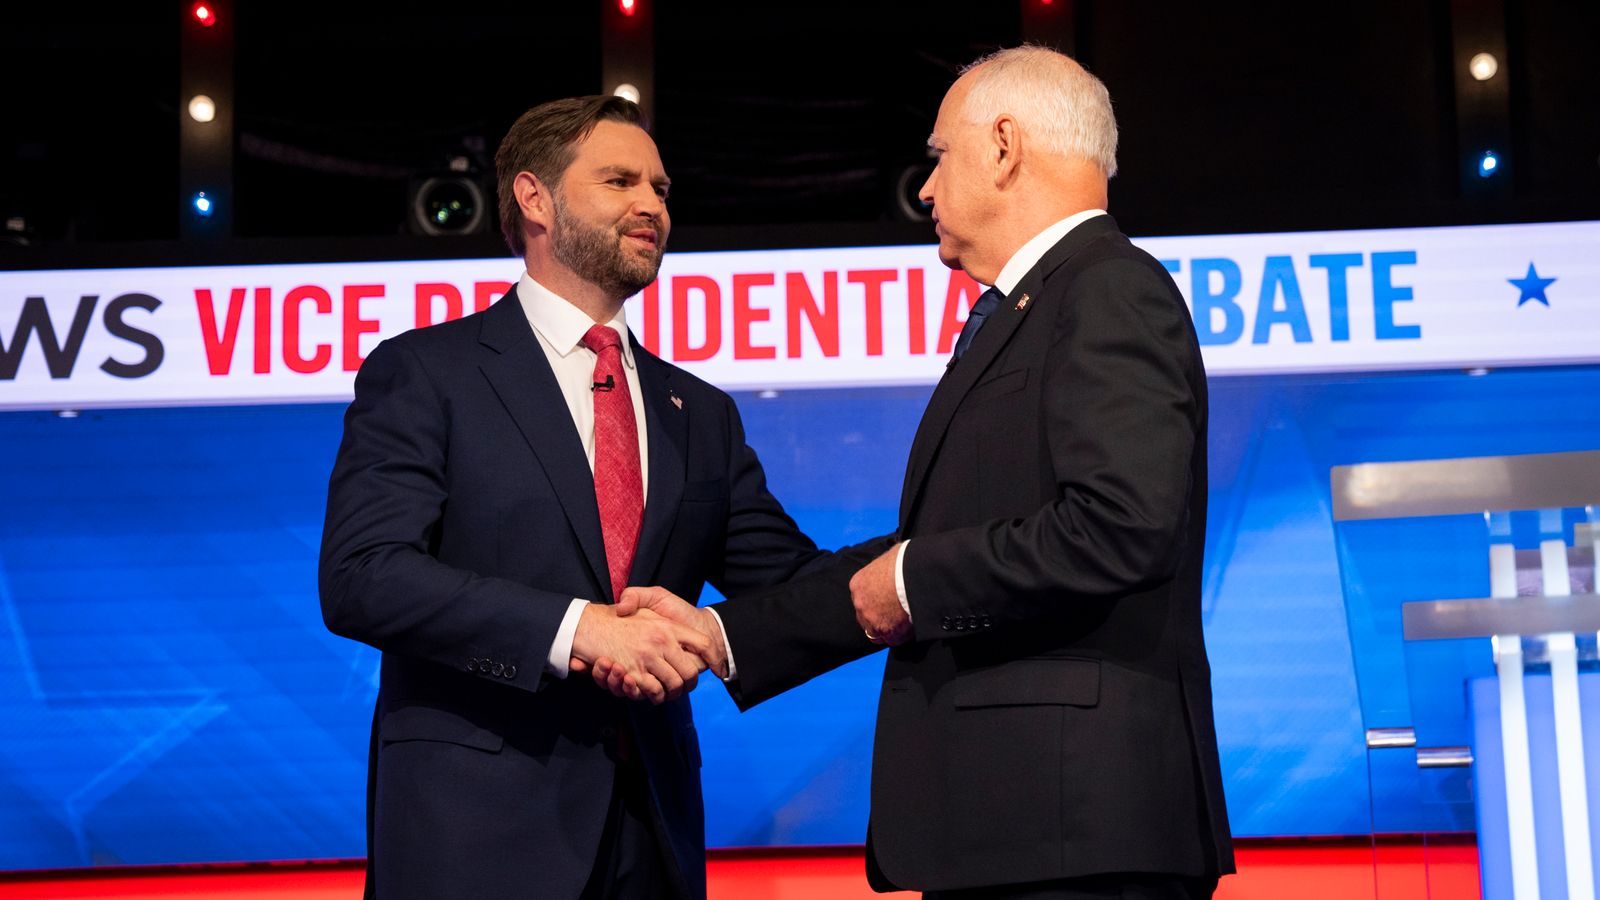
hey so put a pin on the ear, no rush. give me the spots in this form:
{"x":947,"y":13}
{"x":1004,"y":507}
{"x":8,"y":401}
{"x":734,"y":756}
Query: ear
{"x":1006,"y":142}
{"x":533,"y":198}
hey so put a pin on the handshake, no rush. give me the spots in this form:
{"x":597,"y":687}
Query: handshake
{"x":652,"y":644}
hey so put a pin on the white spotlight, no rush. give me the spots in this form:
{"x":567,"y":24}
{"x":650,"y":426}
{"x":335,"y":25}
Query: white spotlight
{"x":627,"y":92}
{"x":202,"y":108}
{"x":1483,"y":66}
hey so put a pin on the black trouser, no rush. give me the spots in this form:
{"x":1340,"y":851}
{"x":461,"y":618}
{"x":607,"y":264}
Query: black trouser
{"x":631,"y":861}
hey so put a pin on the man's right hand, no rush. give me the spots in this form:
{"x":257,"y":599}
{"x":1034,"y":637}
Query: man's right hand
{"x":651,"y":656}
{"x":658,"y":601}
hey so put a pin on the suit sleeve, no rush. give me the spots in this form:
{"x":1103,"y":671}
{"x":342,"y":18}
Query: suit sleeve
{"x":784,"y":637}
{"x":1121,"y":417}
{"x":379,"y":582}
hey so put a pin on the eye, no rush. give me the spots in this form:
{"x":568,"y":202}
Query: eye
{"x":619,"y":181}
{"x":661,"y":192}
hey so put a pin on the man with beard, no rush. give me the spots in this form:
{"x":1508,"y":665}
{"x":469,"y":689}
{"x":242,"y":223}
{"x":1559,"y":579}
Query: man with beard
{"x":502,"y":478}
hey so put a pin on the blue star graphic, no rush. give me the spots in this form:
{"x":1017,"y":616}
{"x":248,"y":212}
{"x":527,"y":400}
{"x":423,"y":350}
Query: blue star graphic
{"x":1531,"y":286}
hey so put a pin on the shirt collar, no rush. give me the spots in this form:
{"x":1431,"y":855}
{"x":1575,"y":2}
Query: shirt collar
{"x":561,"y":324}
{"x":1034,"y":250}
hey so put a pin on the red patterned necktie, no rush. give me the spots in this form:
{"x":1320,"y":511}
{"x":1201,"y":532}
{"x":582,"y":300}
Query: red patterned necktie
{"x":618,"y":482}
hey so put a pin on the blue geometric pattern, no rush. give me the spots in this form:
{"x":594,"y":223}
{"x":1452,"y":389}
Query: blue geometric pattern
{"x":168,"y":692}
{"x":96,"y":741}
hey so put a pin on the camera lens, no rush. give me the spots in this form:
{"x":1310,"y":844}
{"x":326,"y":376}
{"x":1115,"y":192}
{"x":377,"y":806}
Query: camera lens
{"x":448,"y":205}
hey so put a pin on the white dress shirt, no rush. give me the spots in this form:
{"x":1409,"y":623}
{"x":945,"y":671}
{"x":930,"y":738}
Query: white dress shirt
{"x":1020,"y":264}
{"x":560,"y":327}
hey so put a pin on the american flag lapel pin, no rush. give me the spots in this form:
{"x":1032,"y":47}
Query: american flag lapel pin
{"x":1022,"y":302}
{"x":676,"y":400}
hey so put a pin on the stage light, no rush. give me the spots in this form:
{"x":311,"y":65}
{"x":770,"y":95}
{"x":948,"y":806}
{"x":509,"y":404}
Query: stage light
{"x":1488,"y":164}
{"x":202,"y":108}
{"x":203,"y":204}
{"x":449,"y":204}
{"x":627,"y":92}
{"x":1483,"y":66}
{"x":204,"y":14}
{"x":627,"y":6}
{"x":18,"y":230}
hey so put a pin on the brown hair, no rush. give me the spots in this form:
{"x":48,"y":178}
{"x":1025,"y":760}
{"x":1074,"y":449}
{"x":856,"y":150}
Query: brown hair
{"x":542,"y":141}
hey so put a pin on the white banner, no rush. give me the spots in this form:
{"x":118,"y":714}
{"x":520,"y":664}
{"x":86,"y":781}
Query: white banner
{"x":1304,"y":302}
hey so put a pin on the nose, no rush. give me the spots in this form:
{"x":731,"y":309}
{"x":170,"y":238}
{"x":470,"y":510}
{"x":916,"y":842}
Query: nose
{"x":925,"y":193}
{"x":648,"y":204}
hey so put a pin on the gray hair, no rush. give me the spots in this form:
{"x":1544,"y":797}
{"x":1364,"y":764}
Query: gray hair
{"x":1053,"y":98}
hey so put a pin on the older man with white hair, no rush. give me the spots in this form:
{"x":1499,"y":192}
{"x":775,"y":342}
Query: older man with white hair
{"x":1045,"y":725}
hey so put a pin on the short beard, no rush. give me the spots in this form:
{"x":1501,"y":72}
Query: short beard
{"x":595,"y":254}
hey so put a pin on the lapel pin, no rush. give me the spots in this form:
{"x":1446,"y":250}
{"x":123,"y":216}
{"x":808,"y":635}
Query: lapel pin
{"x":1022,"y":302}
{"x":676,"y":400}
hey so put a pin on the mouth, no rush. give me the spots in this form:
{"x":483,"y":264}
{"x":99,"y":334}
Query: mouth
{"x":645,"y":237}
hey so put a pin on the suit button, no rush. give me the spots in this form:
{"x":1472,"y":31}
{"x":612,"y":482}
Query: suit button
{"x":608,"y":732}
{"x":498,"y":669}
{"x":961,"y":623}
{"x":987,"y":622}
{"x":511,"y":671}
{"x":945,"y":623}
{"x":472,"y":665}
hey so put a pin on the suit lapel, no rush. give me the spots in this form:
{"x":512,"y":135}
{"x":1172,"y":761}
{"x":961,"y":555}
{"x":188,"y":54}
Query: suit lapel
{"x":668,"y":427}
{"x":521,"y":377}
{"x":960,"y":377}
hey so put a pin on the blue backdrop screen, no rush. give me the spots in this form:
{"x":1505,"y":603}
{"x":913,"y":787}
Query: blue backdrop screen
{"x":168,"y":692}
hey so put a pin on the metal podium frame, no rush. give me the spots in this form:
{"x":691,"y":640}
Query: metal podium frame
{"x":1546,"y":624}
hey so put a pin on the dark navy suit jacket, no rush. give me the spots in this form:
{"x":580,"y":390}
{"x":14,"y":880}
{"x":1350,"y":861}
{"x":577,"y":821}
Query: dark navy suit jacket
{"x":461,"y":523}
{"x":1052,"y":716}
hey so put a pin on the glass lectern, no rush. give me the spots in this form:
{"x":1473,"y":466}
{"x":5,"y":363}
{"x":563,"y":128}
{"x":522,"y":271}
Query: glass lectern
{"x":1470,"y":593}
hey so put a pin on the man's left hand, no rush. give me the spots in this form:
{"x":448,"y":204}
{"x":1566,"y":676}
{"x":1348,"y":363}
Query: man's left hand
{"x":877,"y":603}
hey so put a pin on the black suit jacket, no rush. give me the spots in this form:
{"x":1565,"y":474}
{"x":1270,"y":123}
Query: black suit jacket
{"x":1052,"y":716}
{"x":461,"y":522}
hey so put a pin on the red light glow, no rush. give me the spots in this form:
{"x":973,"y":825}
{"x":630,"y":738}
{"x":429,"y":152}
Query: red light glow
{"x":627,"y":6}
{"x":205,"y":15}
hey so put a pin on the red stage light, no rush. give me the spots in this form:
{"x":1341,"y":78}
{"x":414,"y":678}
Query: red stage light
{"x":205,"y":15}
{"x":627,"y":6}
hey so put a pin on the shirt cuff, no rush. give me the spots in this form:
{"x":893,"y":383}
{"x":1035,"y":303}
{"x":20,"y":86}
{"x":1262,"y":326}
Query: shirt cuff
{"x":900,"y":576}
{"x":561,"y":649}
{"x":733,"y":671}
